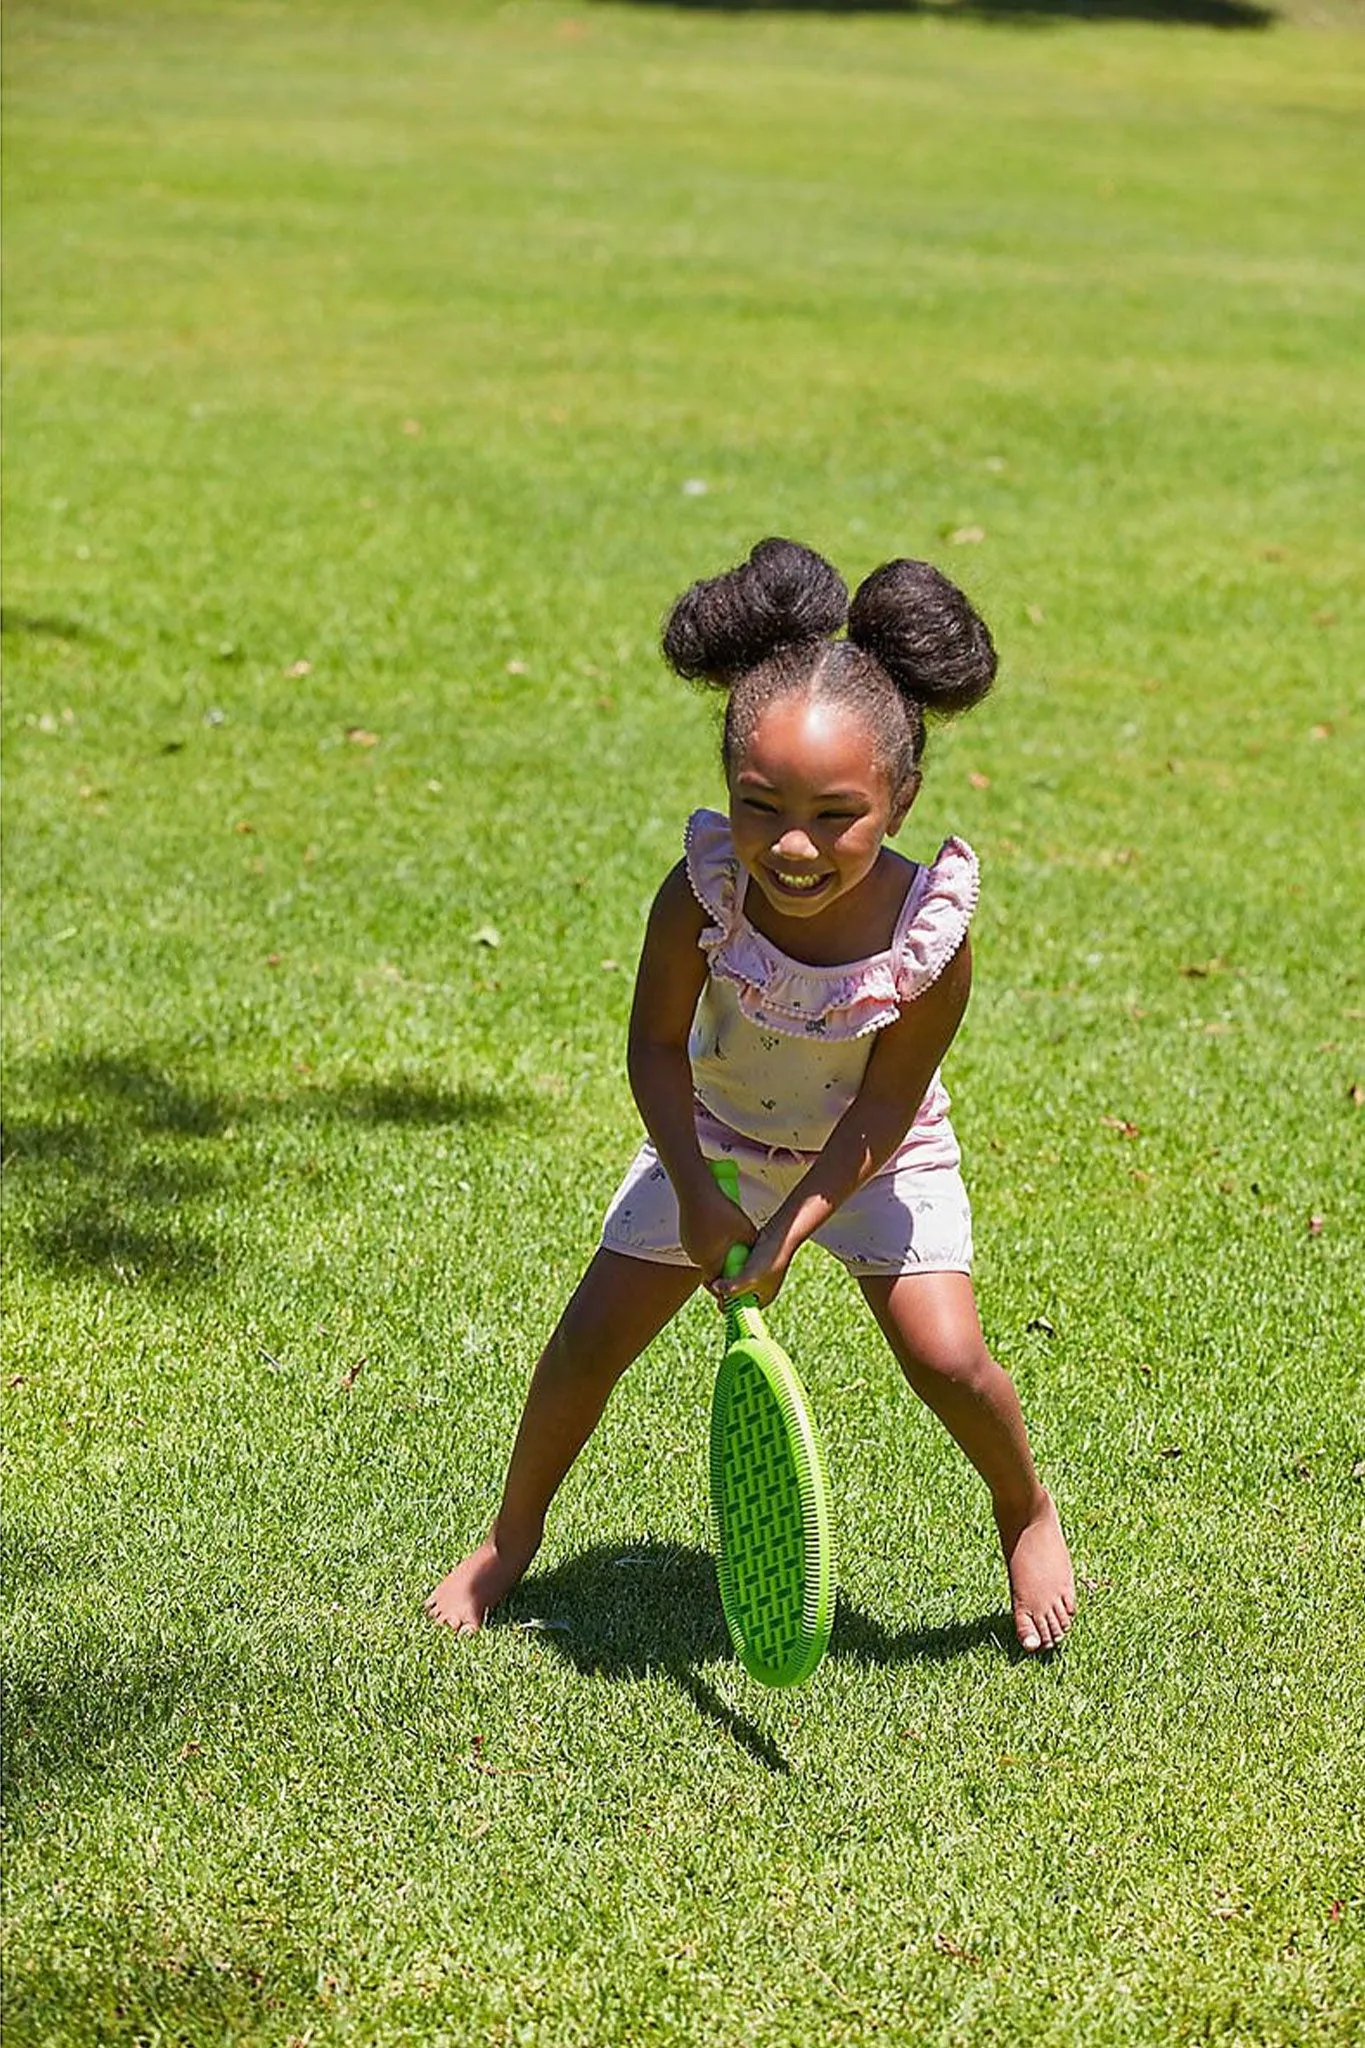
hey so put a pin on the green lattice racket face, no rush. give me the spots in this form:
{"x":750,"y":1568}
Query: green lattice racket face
{"x":770,"y":1501}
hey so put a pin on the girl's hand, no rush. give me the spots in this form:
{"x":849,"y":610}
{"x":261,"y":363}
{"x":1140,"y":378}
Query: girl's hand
{"x":764,"y":1270}
{"x":708,"y":1224}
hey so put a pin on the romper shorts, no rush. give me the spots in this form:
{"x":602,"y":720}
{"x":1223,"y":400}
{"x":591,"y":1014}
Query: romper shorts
{"x":912,"y":1217}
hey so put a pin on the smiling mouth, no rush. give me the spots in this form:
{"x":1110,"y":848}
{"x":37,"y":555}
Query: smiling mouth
{"x":799,"y":885}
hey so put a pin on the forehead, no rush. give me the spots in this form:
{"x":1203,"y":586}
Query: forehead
{"x":809,"y":742}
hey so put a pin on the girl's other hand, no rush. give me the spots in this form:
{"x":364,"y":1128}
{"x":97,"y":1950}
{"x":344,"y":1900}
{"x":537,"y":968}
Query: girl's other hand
{"x":764,"y":1271}
{"x":708,"y":1224}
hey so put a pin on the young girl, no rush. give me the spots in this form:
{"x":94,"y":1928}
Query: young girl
{"x":800,"y":984}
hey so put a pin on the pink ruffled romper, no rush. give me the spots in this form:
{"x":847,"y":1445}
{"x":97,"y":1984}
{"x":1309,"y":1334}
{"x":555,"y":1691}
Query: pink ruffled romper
{"x":778,"y":1052}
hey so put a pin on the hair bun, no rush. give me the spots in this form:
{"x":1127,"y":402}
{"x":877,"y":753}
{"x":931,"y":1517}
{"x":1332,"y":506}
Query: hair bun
{"x":725,"y":626}
{"x":926,"y":635}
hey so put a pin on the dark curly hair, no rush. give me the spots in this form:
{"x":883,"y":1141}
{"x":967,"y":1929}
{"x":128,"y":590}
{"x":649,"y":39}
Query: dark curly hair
{"x":914,"y":645}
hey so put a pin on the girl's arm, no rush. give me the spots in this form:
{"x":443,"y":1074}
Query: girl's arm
{"x":671,"y":975}
{"x":903,"y":1062}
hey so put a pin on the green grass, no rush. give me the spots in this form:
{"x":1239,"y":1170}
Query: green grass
{"x":385,"y":339}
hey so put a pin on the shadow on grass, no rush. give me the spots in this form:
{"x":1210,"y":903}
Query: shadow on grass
{"x":654,"y":1610}
{"x":1224,"y":14}
{"x":42,"y":626}
{"x":89,"y":1715}
{"x":85,"y":1700}
{"x":109,"y":1168}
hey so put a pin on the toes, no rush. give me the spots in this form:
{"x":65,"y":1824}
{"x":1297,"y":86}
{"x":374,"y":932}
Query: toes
{"x":1047,"y":1630}
{"x":447,"y":1617}
{"x":1027,"y":1630}
{"x":1055,"y":1625}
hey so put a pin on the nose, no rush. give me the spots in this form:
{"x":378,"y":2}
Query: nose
{"x":796,"y":845}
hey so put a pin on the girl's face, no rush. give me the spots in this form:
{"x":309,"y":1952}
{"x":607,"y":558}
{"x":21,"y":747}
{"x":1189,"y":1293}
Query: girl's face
{"x":810,"y":804}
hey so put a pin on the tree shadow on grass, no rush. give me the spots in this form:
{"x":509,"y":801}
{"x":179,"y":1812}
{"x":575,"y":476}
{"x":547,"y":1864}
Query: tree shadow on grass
{"x":42,"y":626}
{"x":78,"y":1700}
{"x":91,"y":1713}
{"x":653,"y":1609}
{"x":114,"y":1162}
{"x":1219,"y":14}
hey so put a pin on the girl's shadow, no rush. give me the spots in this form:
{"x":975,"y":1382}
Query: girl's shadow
{"x":650,"y":1608}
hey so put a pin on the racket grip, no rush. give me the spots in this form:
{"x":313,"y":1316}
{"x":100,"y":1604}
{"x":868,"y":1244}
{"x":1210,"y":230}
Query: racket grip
{"x":726,"y":1175}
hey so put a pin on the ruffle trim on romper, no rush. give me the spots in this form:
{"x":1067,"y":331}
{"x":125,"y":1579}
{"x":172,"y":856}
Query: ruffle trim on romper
{"x":854,"y":997}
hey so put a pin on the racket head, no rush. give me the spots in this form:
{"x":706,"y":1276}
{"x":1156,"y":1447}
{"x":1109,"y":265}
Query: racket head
{"x":770,"y":1502}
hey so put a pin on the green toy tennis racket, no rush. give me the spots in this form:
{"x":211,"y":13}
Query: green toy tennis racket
{"x":769,"y":1495}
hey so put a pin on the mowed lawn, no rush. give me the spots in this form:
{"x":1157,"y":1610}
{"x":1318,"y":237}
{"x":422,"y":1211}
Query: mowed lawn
{"x":377,"y":374}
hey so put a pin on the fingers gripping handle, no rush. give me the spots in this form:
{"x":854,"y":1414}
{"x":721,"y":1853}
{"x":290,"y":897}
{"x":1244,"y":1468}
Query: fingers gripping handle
{"x":726,"y":1175}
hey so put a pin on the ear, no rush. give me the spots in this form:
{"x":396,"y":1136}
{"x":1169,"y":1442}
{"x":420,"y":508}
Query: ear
{"x":904,"y":798}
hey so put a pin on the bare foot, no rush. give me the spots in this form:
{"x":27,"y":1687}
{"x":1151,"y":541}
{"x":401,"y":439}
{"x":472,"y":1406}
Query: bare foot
{"x":1039,"y":1565}
{"x":465,"y":1597}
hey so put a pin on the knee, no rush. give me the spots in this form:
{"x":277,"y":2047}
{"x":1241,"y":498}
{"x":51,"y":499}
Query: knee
{"x":932,"y":1325}
{"x":950,"y":1359}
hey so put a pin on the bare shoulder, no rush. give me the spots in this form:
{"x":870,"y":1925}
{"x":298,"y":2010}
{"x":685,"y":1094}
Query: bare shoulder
{"x":907,"y":1053}
{"x":955,"y":982}
{"x":676,"y":914}
{"x":672,"y":966}
{"x":931,"y":1019}
{"x":941,"y":1006}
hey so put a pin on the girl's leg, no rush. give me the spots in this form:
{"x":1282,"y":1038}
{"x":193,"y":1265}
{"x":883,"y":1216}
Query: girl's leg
{"x":931,"y":1324}
{"x":619,"y":1307}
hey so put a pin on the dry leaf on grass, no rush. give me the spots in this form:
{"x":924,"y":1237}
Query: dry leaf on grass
{"x":1122,"y":1125}
{"x":946,"y":1946}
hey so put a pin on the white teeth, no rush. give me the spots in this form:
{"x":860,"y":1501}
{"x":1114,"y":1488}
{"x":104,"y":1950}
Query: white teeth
{"x":799,"y":881}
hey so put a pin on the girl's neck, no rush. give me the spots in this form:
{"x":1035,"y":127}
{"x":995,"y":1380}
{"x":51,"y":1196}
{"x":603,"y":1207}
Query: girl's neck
{"x":855,"y":927}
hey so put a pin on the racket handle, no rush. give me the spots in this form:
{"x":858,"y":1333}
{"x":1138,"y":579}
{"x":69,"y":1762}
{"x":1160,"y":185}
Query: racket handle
{"x":726,"y":1175}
